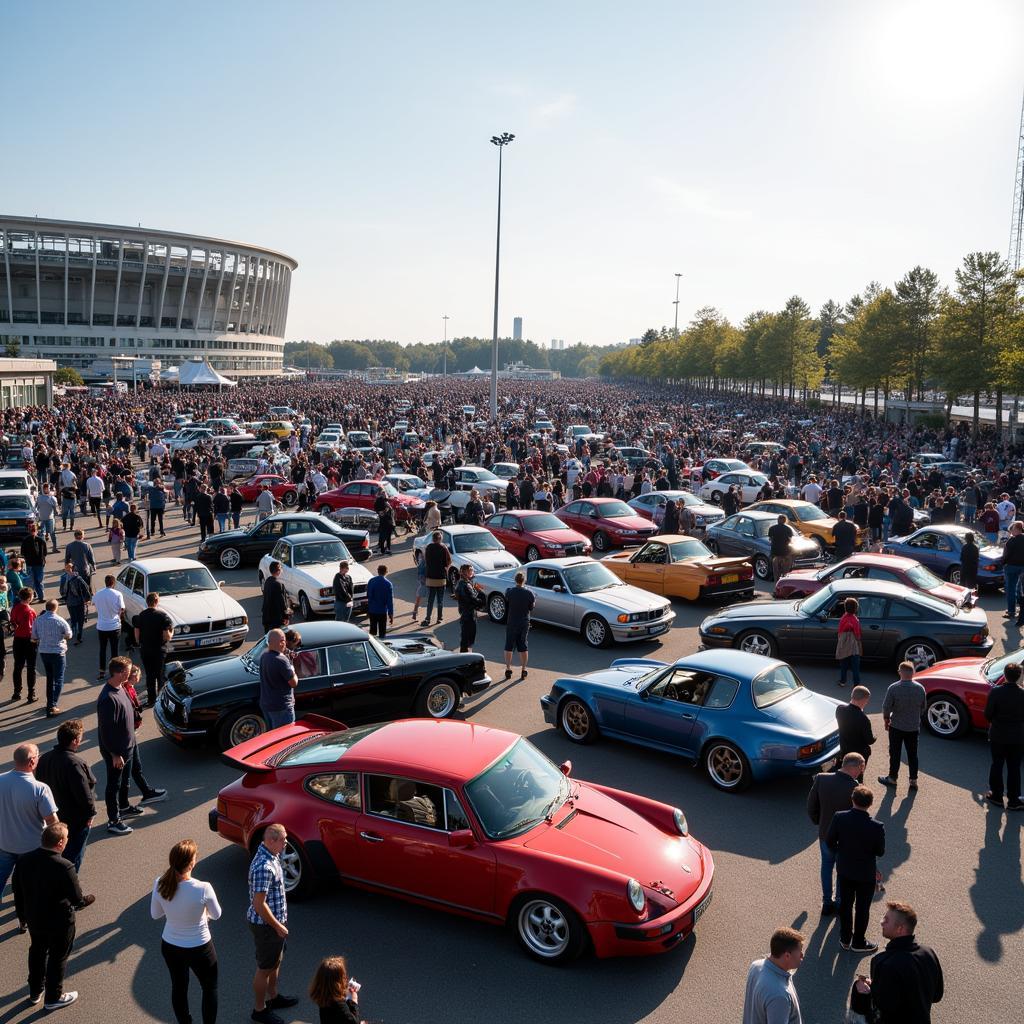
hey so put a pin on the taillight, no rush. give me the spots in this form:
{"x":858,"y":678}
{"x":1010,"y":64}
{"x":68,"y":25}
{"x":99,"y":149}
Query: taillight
{"x":979,"y":638}
{"x":810,"y":750}
{"x":713,"y":581}
{"x":365,"y":542}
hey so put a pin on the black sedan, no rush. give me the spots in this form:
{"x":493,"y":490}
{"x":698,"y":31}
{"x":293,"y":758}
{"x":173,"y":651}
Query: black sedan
{"x":343,"y":673}
{"x":234,"y":548}
{"x":897,"y":624}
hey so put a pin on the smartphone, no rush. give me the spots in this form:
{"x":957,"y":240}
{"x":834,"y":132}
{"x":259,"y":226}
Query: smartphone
{"x":354,"y":985}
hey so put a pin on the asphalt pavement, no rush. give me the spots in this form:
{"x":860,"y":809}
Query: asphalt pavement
{"x":955,"y":859}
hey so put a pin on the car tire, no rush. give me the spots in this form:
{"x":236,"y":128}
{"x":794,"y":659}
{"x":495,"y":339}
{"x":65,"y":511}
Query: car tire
{"x":596,"y":631}
{"x":726,"y":766}
{"x":299,"y":880}
{"x":757,"y":641}
{"x":230,"y":558}
{"x":547,"y":929}
{"x":438,"y":698}
{"x":305,"y":607}
{"x":762,"y":567}
{"x":577,"y":721}
{"x":497,"y":608}
{"x":947,"y":717}
{"x":289,"y":498}
{"x":921,"y":651}
{"x":953,"y":574}
{"x":261,"y":579}
{"x":239,"y":726}
{"x":600,"y":541}
{"x":532,"y":554}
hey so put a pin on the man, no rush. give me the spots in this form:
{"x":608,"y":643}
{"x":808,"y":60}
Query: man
{"x":519,"y":602}
{"x":46,"y":511}
{"x":470,"y":599}
{"x":343,"y":588}
{"x":153,"y":631}
{"x":437,"y":559}
{"x":1004,"y":711}
{"x":81,"y":556}
{"x":771,"y":997}
{"x":969,"y":556}
{"x":23,"y":618}
{"x":845,"y":534}
{"x":1013,"y":568}
{"x":51,"y":633}
{"x":276,"y":606}
{"x":1007,"y":510}
{"x":830,"y":793}
{"x":902,"y":709}
{"x":68,"y":496}
{"x":109,"y":616}
{"x":857,"y":840}
{"x":33,"y":551}
{"x":156,"y":497}
{"x":94,"y":488}
{"x":906,"y":977}
{"x":855,"y":733}
{"x":267,"y":918}
{"x":277,"y":682}
{"x":46,"y":887}
{"x":780,"y":535}
{"x":203,"y":505}
{"x":265,"y":504}
{"x":26,"y":807}
{"x":380,"y":602}
{"x":133,"y":525}
{"x":73,"y":786}
{"x":76,"y":594}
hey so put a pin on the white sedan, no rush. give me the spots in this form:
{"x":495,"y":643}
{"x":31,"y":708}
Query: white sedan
{"x":309,"y":563}
{"x":204,"y":616}
{"x":748,"y":485}
{"x":409,"y":483}
{"x":469,"y":545}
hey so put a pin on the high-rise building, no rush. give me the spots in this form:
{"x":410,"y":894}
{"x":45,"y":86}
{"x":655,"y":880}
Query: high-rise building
{"x":517,"y":328}
{"x":557,"y":344}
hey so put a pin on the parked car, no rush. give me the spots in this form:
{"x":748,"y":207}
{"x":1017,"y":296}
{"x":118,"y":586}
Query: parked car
{"x":17,"y":513}
{"x":897,"y":623}
{"x":469,"y":477}
{"x":205,"y":617}
{"x":282,"y":489}
{"x":808,"y":519}
{"x":714,"y":468}
{"x":676,"y":565}
{"x":652,"y":506}
{"x":16,"y":480}
{"x":364,"y":494}
{"x":409,"y":483}
{"x":746,"y":534}
{"x":531,"y":535}
{"x":342,"y":671}
{"x":469,"y":545}
{"x":505,"y":471}
{"x":234,"y":548}
{"x":475,"y":821}
{"x":938,"y":548}
{"x":748,"y":484}
{"x":608,"y":522}
{"x":739,"y":716}
{"x":584,"y":596}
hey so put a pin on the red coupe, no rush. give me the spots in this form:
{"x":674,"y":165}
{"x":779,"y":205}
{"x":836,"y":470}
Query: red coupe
{"x":957,"y":691}
{"x":865,"y":566}
{"x":364,"y":494}
{"x":531,"y":535}
{"x":475,"y":821}
{"x":283,"y":490}
{"x":608,"y":522}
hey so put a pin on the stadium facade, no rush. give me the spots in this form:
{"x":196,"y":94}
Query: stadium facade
{"x":81,"y":293}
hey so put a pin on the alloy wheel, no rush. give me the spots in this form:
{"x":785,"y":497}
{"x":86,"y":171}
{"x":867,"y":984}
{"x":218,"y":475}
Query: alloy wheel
{"x":544,"y":928}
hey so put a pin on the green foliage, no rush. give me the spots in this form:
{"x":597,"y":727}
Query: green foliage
{"x":12,"y":349}
{"x":68,"y":375}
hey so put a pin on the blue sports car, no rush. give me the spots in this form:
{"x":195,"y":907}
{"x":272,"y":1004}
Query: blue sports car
{"x":741,"y":716}
{"x":938,"y":548}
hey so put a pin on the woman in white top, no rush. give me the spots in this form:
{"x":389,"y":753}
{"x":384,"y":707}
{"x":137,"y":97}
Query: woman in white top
{"x":188,"y":905}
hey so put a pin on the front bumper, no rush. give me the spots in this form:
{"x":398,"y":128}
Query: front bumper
{"x":477,"y":685}
{"x":179,"y":734}
{"x":715,"y":640}
{"x":627,"y":632}
{"x":549,"y":707}
{"x":183,"y":643}
{"x":325,"y":606}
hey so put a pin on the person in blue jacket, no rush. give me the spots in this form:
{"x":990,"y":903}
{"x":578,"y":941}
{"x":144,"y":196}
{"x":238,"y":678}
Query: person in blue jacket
{"x":380,"y":602}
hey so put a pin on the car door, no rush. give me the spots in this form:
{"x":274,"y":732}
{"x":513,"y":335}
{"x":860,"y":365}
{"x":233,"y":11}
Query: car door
{"x":283,"y":553}
{"x":571,"y":514}
{"x":314,"y":694}
{"x":726,"y":537}
{"x":550,"y":605}
{"x":925,"y":548}
{"x":130,"y":584}
{"x":507,"y":532}
{"x":363,"y":688}
{"x":648,"y":566}
{"x":819,"y":633}
{"x":263,"y":538}
{"x":890,"y":629}
{"x":665,"y":712}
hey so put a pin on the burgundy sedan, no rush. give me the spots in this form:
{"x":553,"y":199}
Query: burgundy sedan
{"x":608,"y":522}
{"x":531,"y":535}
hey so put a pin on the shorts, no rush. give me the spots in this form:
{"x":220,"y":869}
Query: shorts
{"x":269,"y":946}
{"x":516,"y":638}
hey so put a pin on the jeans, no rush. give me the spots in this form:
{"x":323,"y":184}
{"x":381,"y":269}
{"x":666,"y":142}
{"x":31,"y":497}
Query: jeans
{"x":1008,"y":754}
{"x":78,"y":836}
{"x":24,"y":657}
{"x":828,"y":865}
{"x":851,"y":662}
{"x":1011,"y":577}
{"x":67,"y":511}
{"x":898,"y":738}
{"x":200,"y":961}
{"x":133,"y":770}
{"x":236,"y":519}
{"x":108,"y":639}
{"x":467,"y":632}
{"x":970,"y":511}
{"x":48,"y":528}
{"x":853,"y":924}
{"x":115,"y":792}
{"x":275,"y":719}
{"x":342,"y":612}
{"x":54,"y":665}
{"x":130,"y":544}
{"x":76,"y":619}
{"x":35,"y":573}
{"x":48,"y":959}
{"x":222,"y":521}
{"x":435,"y":593}
{"x":7,"y":862}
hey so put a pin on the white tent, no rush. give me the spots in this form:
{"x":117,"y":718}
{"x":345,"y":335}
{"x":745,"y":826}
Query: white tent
{"x":171,"y":373}
{"x":198,"y":371}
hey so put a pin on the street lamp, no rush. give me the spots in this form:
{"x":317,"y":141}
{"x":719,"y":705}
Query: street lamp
{"x":444,"y":351}
{"x":501,"y":141}
{"x":676,"y":304}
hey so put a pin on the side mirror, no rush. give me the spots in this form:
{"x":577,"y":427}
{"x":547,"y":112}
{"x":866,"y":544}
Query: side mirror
{"x":220,"y":583}
{"x":823,"y":616}
{"x":557,"y":589}
{"x":593,"y":515}
{"x":462,"y":839}
{"x":565,"y":768}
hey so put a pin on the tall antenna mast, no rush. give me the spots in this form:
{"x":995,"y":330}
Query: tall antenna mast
{"x":1017,"y":218}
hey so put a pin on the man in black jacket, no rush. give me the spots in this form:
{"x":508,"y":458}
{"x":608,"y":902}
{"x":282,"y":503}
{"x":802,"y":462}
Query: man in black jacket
{"x":857,"y":839}
{"x":780,"y":534}
{"x":1004,"y":711}
{"x":33,"y":550}
{"x":470,"y":600}
{"x":1013,"y":569}
{"x":344,"y":591}
{"x":73,"y":786}
{"x":46,"y":888}
{"x":276,"y":609}
{"x":153,"y":631}
{"x":845,"y":534}
{"x":854,"y":725}
{"x":831,"y":792}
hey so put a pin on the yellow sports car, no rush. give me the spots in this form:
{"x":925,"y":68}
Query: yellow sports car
{"x":805,"y":517}
{"x":675,"y":565}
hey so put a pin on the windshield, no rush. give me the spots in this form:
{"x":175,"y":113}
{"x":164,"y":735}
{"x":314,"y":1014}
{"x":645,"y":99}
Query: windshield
{"x":15,"y":503}
{"x":535,"y":524}
{"x":813,"y":604}
{"x":13,"y":483}
{"x":181,"y":581}
{"x":994,"y":669}
{"x":614,"y":510}
{"x":764,"y":525}
{"x":809,"y":513}
{"x":388,"y":490}
{"x":582,"y":579}
{"x":923,"y":578}
{"x":318,"y":554}
{"x":485,"y":476}
{"x":685,"y":497}
{"x":462,"y":543}
{"x":517,"y":792}
{"x":688,"y":549}
{"x":773,"y":685}
{"x":409,"y":482}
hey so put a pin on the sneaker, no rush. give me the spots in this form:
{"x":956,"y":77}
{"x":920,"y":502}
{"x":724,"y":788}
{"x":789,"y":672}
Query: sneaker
{"x":119,"y":828}
{"x":33,"y":999}
{"x":266,"y":1016}
{"x":425,"y":622}
{"x":508,"y":673}
{"x":913,"y":783}
{"x":524,"y":674}
{"x":864,"y":947}
{"x":828,"y":909}
{"x":886,"y":781}
{"x":154,"y":796}
{"x":1015,"y":807}
{"x":845,"y":943}
{"x":996,"y":800}
{"x":131,"y":811}
{"x":65,"y":1000}
{"x":280,"y":1002}
{"x":100,"y":674}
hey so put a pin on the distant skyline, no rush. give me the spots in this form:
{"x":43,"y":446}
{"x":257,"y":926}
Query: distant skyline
{"x":760,"y":150}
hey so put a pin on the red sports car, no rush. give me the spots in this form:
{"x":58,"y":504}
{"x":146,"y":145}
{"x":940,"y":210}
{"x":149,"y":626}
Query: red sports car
{"x":865,"y":566}
{"x":608,"y":522}
{"x":283,"y":490}
{"x":364,"y":493}
{"x":475,"y":821}
{"x":531,"y":535}
{"x":957,"y":691}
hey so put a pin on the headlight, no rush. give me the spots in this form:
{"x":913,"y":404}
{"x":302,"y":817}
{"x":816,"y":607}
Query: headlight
{"x":182,"y":629}
{"x":628,"y":533}
{"x":239,"y":620}
{"x":555,"y":547}
{"x":326,"y":591}
{"x":681,"y":823}
{"x":718,"y":630}
{"x":205,"y":546}
{"x":636,"y":895}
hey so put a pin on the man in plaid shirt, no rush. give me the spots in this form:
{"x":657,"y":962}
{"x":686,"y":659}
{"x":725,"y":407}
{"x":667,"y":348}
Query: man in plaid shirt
{"x":266,"y":916}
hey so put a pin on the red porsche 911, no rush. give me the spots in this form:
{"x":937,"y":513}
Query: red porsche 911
{"x":475,"y":821}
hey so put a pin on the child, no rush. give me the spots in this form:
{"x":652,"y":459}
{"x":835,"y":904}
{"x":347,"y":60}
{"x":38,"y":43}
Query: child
{"x":334,"y":992}
{"x":116,"y":537}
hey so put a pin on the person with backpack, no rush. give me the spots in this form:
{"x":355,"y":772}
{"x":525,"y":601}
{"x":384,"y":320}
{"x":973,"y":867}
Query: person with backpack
{"x":76,"y":594}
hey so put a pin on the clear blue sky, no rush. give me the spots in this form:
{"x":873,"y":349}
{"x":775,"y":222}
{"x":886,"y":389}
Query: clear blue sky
{"x":759,"y":148}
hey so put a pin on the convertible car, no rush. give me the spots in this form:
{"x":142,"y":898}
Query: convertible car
{"x":474,"y":821}
{"x":740,"y":716}
{"x":680,"y":566}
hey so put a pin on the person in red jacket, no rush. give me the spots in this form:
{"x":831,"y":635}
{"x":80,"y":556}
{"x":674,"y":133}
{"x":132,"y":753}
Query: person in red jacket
{"x":24,"y":647}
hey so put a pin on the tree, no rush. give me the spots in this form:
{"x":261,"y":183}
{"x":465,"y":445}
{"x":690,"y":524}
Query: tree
{"x":790,"y":348}
{"x":12,"y":349}
{"x":865,"y":352}
{"x":830,"y":319}
{"x":920,"y":298}
{"x":69,"y":376}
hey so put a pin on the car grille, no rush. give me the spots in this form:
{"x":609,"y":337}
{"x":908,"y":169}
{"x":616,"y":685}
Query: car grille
{"x":173,"y":707}
{"x":207,"y":627}
{"x":656,"y":613}
{"x":574,"y":549}
{"x":359,"y":590}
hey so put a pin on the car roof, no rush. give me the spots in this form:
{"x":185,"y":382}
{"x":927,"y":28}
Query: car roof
{"x":565,"y":562}
{"x":738,"y":663}
{"x":669,"y":538}
{"x":163,"y":564}
{"x":948,"y":528}
{"x":460,"y":528}
{"x":309,"y":538}
{"x":788,"y":502}
{"x":756,"y":513}
{"x":520,"y":512}
{"x":602,"y":501}
{"x":877,"y":558}
{"x":886,"y":588}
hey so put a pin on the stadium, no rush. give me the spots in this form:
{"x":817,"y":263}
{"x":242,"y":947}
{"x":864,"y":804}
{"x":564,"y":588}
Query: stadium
{"x":84,"y":294}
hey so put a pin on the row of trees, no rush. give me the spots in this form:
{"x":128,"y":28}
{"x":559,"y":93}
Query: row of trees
{"x":909,"y":338}
{"x":463,"y":354}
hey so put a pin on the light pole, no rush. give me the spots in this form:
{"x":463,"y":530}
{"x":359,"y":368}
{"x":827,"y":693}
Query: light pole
{"x":444,"y":351}
{"x":676,"y":304}
{"x":501,"y":141}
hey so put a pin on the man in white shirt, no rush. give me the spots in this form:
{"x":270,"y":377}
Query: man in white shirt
{"x":94,"y":491}
{"x":812,"y":491}
{"x":157,"y":450}
{"x":1007,"y":512}
{"x":109,"y":606}
{"x":317,"y":483}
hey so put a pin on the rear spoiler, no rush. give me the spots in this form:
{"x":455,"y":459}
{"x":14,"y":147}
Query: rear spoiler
{"x":254,"y":755}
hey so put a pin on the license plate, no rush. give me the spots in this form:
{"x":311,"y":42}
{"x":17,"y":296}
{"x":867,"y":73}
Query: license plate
{"x":7,"y":522}
{"x":701,"y":907}
{"x":656,"y":629}
{"x":209,"y":641}
{"x":731,"y":578}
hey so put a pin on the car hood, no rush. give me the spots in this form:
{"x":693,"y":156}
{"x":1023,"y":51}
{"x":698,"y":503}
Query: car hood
{"x":806,"y":712}
{"x":415,"y":647}
{"x":566,"y":536}
{"x":955,"y":669}
{"x":323,"y":573}
{"x":627,"y":598}
{"x":207,"y":604}
{"x":215,"y":675}
{"x":759,"y":612}
{"x":229,"y":537}
{"x":604,"y":833}
{"x":618,"y":677}
{"x":636,"y":522}
{"x":490,"y":561}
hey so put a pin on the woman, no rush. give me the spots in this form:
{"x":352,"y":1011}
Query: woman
{"x":670,"y":521}
{"x":334,"y":992}
{"x":188,"y":906}
{"x":848,"y":643}
{"x":431,"y":518}
{"x":5,"y":618}
{"x":385,"y":528}
{"x":542,"y":497}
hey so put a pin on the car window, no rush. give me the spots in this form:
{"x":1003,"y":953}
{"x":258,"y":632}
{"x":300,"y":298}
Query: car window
{"x":872,"y":606}
{"x":344,"y":658}
{"x":857,"y":572}
{"x":283,"y":554}
{"x":899,"y":610}
{"x":279,"y":551}
{"x":498,"y":522}
{"x":268,"y":530}
{"x":745,"y":527}
{"x":295,"y":526}
{"x":943,"y":543}
{"x":374,"y":658}
{"x":544,"y":579}
{"x":773,"y":685}
{"x":405,"y":800}
{"x":456,"y":818}
{"x":651,"y":554}
{"x":923,"y":540}
{"x":337,"y":787}
{"x":309,"y":663}
{"x":585,"y":508}
{"x":572,"y":509}
{"x":124,"y":577}
{"x":876,"y":572}
{"x":683,"y":685}
{"x":722,"y":693}
{"x":137,"y":582}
